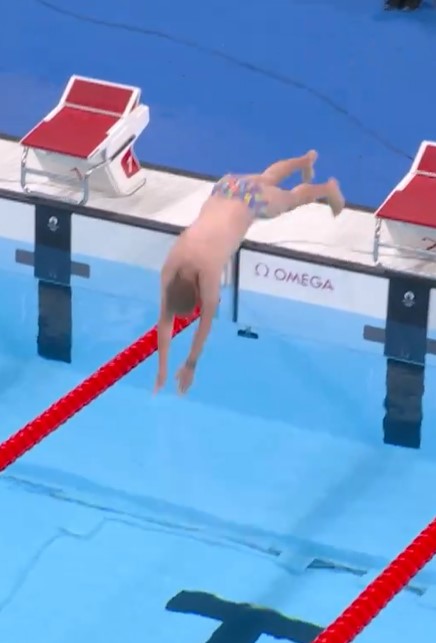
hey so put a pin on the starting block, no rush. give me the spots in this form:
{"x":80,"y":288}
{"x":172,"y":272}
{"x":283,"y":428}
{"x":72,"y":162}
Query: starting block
{"x":86,"y":142}
{"x":408,"y":215}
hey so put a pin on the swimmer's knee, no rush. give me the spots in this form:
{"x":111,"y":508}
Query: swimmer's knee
{"x":268,"y":178}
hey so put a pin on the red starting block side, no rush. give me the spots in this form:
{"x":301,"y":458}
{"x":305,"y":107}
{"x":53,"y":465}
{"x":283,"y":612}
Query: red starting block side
{"x":425,"y":160}
{"x":87,"y":139}
{"x":414,"y":203}
{"x":94,"y":95}
{"x":72,"y":132}
{"x":409,"y":212}
{"x":86,"y":113}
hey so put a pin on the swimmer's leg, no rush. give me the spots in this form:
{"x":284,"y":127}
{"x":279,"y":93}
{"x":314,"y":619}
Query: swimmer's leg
{"x":280,"y":201}
{"x":279,"y":171}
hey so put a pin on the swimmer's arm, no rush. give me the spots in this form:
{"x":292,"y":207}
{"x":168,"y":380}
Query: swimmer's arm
{"x":209,"y":293}
{"x":164,"y":334}
{"x":164,"y":326}
{"x":201,"y":334}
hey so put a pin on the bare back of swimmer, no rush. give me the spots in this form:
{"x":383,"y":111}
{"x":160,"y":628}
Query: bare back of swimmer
{"x":192,"y":272}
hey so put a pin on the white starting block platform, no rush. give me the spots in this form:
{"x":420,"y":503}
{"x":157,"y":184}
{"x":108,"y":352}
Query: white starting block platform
{"x":86,"y":143}
{"x":406,"y":220}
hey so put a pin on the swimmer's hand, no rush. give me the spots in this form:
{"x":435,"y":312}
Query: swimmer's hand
{"x":185,"y":376}
{"x":160,"y":380}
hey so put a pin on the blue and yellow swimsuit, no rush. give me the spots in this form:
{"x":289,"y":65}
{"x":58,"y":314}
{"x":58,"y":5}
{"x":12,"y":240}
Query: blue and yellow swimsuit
{"x":245,"y":190}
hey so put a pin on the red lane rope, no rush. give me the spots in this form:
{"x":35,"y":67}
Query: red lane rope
{"x":93,"y":386}
{"x":382,"y":589}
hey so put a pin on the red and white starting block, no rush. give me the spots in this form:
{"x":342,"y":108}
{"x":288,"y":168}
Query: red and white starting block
{"x":86,"y":142}
{"x":408,"y":216}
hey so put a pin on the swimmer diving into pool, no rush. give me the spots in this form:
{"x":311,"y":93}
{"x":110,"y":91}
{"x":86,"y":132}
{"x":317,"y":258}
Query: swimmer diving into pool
{"x":192,"y":271}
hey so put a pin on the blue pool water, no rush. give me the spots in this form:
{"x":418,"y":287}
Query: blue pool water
{"x":155,"y":518}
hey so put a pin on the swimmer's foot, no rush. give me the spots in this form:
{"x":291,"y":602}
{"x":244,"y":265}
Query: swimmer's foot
{"x":307,"y":171}
{"x":335,"y":198}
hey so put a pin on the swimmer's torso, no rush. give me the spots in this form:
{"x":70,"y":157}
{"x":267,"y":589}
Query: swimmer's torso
{"x":235,"y":203}
{"x":221,"y":225}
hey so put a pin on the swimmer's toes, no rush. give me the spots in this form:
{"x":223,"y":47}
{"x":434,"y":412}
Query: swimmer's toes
{"x":312,"y":156}
{"x":336,"y":199}
{"x":308,"y":172}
